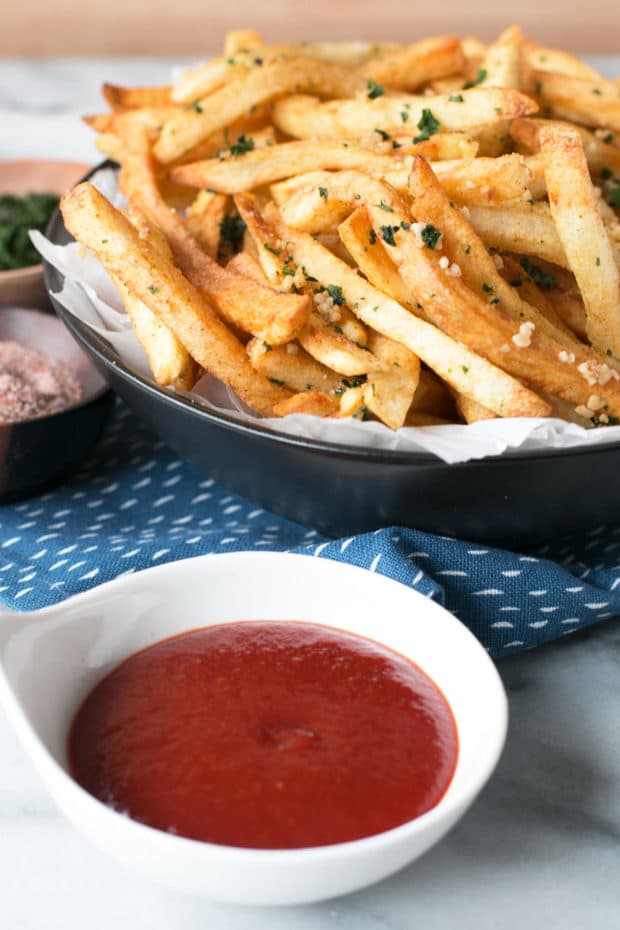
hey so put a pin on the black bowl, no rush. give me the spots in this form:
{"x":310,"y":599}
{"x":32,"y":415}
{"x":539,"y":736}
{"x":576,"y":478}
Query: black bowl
{"x":511,"y":500}
{"x":34,"y":454}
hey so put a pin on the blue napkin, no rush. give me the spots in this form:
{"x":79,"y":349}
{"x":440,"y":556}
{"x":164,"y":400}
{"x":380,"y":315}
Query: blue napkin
{"x":135,"y":505}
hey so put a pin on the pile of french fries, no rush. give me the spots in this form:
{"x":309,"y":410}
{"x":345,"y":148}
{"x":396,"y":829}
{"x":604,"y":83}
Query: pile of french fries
{"x":419,"y":234}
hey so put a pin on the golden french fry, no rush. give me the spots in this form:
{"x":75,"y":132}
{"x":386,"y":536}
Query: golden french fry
{"x":204,"y":218}
{"x":100,"y":227}
{"x":453,"y":362}
{"x":523,"y":227}
{"x":304,"y":116}
{"x":601,"y":154}
{"x":312,"y":403}
{"x":239,"y":39}
{"x":535,"y":58}
{"x":332,"y":348}
{"x":291,"y":365}
{"x":581,"y":230}
{"x":369,"y":255}
{"x":414,"y":65}
{"x":501,"y":63}
{"x":471,"y":411}
{"x":252,"y":307}
{"x":591,"y":102}
{"x":433,"y":397}
{"x":388,"y":394}
{"x":134,"y":98}
{"x":231,"y":101}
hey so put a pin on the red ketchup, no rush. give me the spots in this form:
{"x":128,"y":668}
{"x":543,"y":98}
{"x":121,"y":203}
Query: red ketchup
{"x":271,"y":735}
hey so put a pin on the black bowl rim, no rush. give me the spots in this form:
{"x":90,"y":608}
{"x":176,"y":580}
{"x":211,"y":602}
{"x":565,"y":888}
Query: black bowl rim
{"x":97,"y":346}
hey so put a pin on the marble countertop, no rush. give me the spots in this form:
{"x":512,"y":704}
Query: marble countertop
{"x":541,"y":846}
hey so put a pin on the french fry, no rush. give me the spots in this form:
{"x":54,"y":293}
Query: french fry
{"x":414,"y":65}
{"x":204,"y":218}
{"x":583,"y":235}
{"x":251,"y":307}
{"x":600,"y":155}
{"x":593,"y":103}
{"x":334,"y":350}
{"x":523,"y":227}
{"x":230,"y":102}
{"x":238,"y":39}
{"x":100,"y":227}
{"x":536,"y":58}
{"x":433,"y":397}
{"x":303,"y":117}
{"x":501,"y":61}
{"x":135,"y":98}
{"x":198,"y":82}
{"x":312,"y":403}
{"x":471,"y":411}
{"x":293,"y":366}
{"x":388,"y":394}
{"x":371,"y":258}
{"x":458,"y":366}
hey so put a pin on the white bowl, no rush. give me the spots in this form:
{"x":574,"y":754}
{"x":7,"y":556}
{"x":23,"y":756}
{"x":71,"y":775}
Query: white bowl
{"x":50,"y":660}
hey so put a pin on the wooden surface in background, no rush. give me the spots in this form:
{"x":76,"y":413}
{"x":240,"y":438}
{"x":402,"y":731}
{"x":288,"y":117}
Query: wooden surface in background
{"x":195,"y":27}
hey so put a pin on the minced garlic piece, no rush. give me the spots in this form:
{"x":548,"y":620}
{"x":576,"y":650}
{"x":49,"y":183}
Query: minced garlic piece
{"x":597,"y":373}
{"x":523,"y":338}
{"x":565,"y":356}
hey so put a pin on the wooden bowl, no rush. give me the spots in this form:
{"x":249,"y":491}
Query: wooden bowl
{"x":24,"y":287}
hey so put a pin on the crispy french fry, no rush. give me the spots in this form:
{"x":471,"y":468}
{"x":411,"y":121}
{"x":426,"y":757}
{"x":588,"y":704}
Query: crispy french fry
{"x":371,"y":258}
{"x":303,"y":117}
{"x":134,"y":98}
{"x":238,"y":39}
{"x":583,"y":235}
{"x":593,"y":103}
{"x":204,"y":218}
{"x":471,"y":411}
{"x":501,"y":62}
{"x":457,"y":365}
{"x":535,"y":58}
{"x":293,"y":366}
{"x":333,"y":349}
{"x":433,"y":397}
{"x":388,"y":394}
{"x":230,"y":102}
{"x":252,"y":307}
{"x":601,"y":155}
{"x":160,"y":285}
{"x":312,"y":403}
{"x":523,"y":227}
{"x":414,"y":65}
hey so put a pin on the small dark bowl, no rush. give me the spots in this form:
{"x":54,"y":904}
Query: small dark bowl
{"x":34,"y":454}
{"x":512,"y":499}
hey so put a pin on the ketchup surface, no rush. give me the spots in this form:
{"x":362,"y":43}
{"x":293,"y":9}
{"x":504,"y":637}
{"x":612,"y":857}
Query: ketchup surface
{"x":266,"y":735}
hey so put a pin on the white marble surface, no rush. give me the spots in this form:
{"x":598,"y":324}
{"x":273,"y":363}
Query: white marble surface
{"x":540,"y":848}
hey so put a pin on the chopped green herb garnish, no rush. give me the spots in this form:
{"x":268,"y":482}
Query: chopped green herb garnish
{"x":430,"y":236}
{"x":17,"y":216}
{"x":428,"y":126}
{"x":271,"y":249}
{"x":487,"y":288}
{"x":277,"y":381}
{"x":308,"y":276}
{"x":324,"y":193}
{"x":335,"y":292}
{"x":290,"y":271}
{"x":467,"y":249}
{"x":153,"y":289}
{"x":267,"y":347}
{"x":362,"y":414}
{"x":372,"y":237}
{"x":480,"y":77}
{"x":608,"y":138}
{"x":404,"y":116}
{"x":232,"y":229}
{"x":384,"y":135}
{"x":456,"y":98}
{"x":241,"y":146}
{"x":195,"y":106}
{"x":597,"y":91}
{"x":613,"y":197}
{"x":387,"y":234}
{"x":465,"y":368}
{"x":517,"y":282}
{"x":374,"y":90}
{"x":543,"y":279}
{"x":385,"y":206}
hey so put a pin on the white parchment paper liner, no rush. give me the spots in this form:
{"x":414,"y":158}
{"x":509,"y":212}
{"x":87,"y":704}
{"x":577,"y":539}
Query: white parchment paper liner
{"x":88,"y":294}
